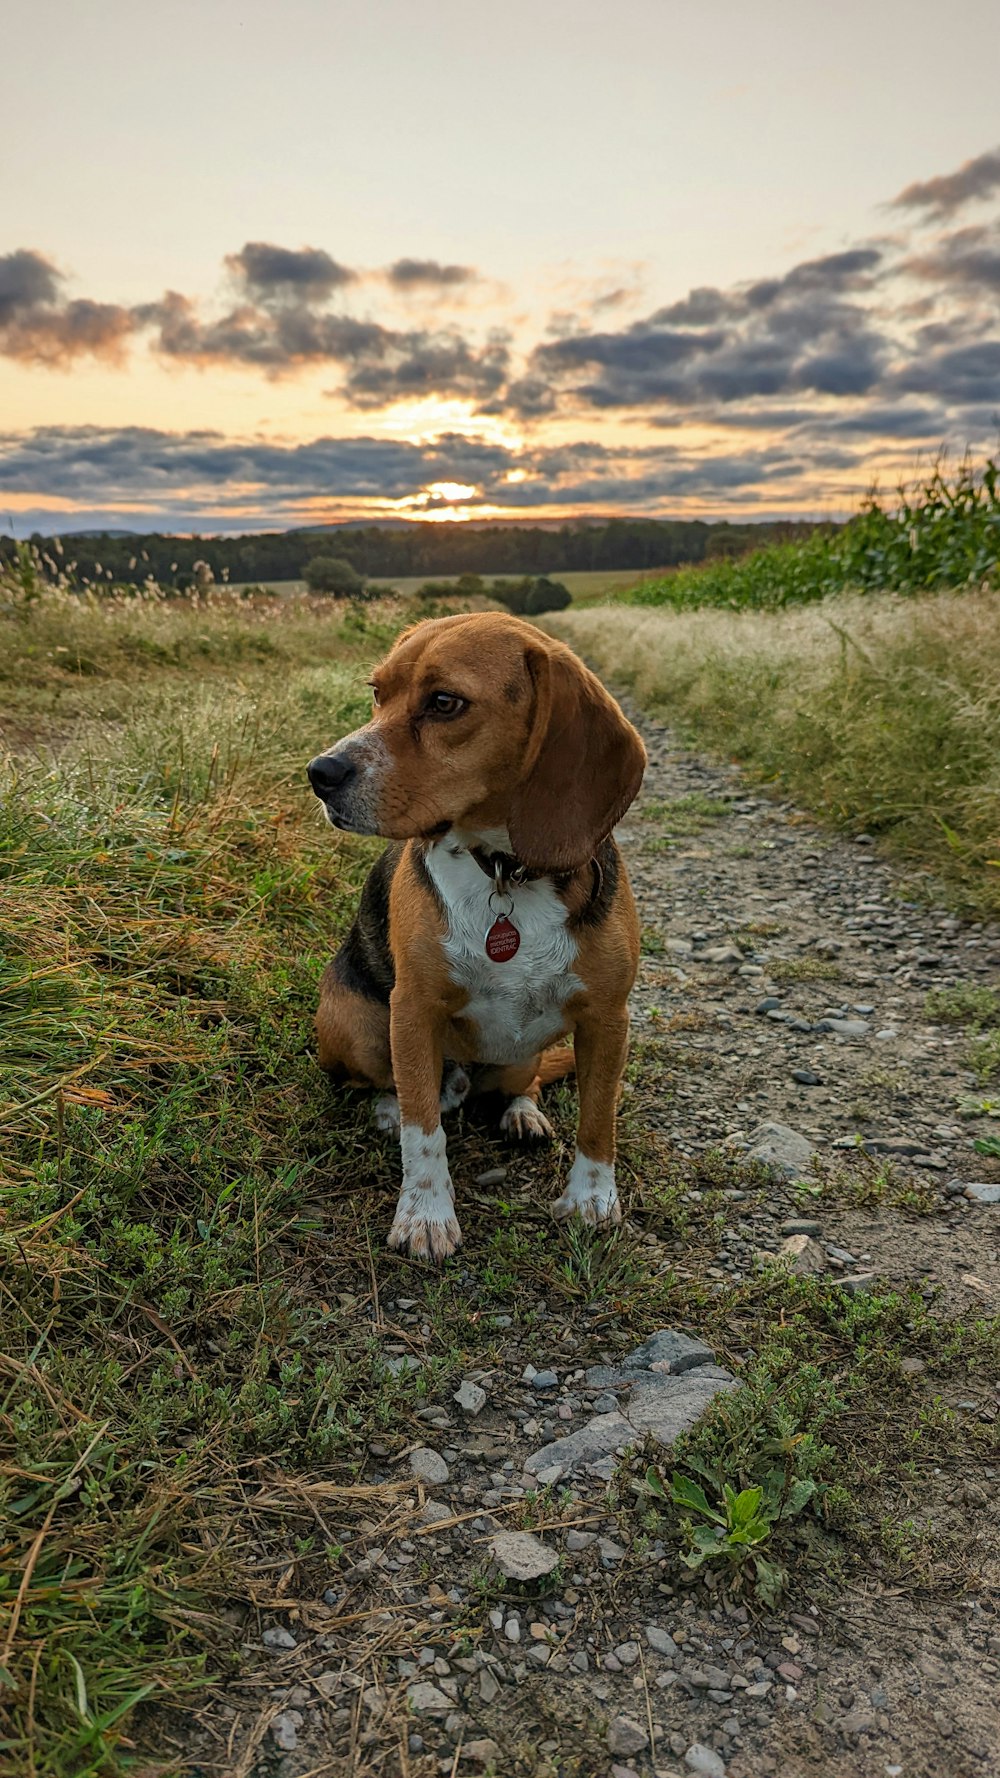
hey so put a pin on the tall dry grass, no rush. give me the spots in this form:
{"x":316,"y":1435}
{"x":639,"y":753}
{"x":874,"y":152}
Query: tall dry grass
{"x":877,"y":712}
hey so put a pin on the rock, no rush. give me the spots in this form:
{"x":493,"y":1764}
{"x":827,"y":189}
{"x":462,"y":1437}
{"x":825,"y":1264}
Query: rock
{"x":470,"y":1398}
{"x":660,"y":1641}
{"x":521,"y":1556}
{"x":801,"y":1225}
{"x":606,"y":1404}
{"x":545,"y":1380}
{"x":782,"y":1149}
{"x":434,"y":1512}
{"x":576,"y":1541}
{"x":807,"y":1077}
{"x":494,"y":1176}
{"x":426,"y":1700}
{"x":627,"y":1653}
{"x":983,"y":1194}
{"x":671,"y":1349}
{"x":484,"y":1751}
{"x":844,"y":1027}
{"x":705,"y":1761}
{"x":285,"y":1730}
{"x":603,"y":1436}
{"x":859,"y":1284}
{"x":668,"y":1408}
{"x":427,"y":1466}
{"x":912,"y":1367}
{"x":803,"y":1256}
{"x":278,"y":1637}
{"x":769,"y":1004}
{"x":721,"y":954}
{"x":626,"y":1736}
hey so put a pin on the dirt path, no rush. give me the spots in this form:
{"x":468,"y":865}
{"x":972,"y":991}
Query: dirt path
{"x":759,"y":928}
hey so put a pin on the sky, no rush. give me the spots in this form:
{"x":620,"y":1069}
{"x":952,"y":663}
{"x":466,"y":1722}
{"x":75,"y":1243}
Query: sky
{"x":264,"y":266}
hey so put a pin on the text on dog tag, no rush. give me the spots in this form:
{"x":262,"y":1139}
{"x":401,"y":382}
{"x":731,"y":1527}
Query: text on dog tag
{"x":502,"y":940}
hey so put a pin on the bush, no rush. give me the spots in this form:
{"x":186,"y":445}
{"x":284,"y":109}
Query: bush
{"x":332,"y":574}
{"x":530,"y":596}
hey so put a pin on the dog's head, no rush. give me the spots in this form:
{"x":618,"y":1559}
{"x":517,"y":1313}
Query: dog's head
{"x":481,"y":722}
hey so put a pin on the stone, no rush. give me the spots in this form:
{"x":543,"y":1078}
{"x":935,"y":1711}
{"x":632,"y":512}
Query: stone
{"x":626,"y":1736}
{"x":426,"y":1700}
{"x":671,"y":1349}
{"x":434,"y":1512}
{"x":660,"y":1641}
{"x":521,"y":1556}
{"x":427,"y":1466}
{"x":666,"y":1409}
{"x":278,"y":1637}
{"x":807,"y":1077}
{"x":603,"y":1436}
{"x":801,"y":1225}
{"x":803,"y":1256}
{"x":285,"y":1730}
{"x":844,"y":1027}
{"x":484,"y":1751}
{"x":470,"y":1398}
{"x":781,"y":1149}
{"x":705,"y":1761}
{"x":627,"y":1653}
{"x":545,"y":1380}
{"x":859,"y":1284}
{"x":494,"y":1176}
{"x":983,"y":1194}
{"x":769,"y":1004}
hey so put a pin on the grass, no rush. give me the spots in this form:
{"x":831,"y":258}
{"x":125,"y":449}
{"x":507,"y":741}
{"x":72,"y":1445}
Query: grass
{"x":881,"y":714}
{"x":978,"y":1009}
{"x":198,"y":1323}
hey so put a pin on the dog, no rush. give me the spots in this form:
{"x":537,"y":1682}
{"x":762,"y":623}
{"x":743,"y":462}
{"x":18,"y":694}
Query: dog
{"x":500,"y":921}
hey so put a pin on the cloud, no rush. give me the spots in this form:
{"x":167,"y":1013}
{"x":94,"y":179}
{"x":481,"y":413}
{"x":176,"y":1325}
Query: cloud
{"x":940,"y":197}
{"x":306,"y":273}
{"x":967,"y":257}
{"x":38,"y":327}
{"x":421,"y":274}
{"x":805,"y":331}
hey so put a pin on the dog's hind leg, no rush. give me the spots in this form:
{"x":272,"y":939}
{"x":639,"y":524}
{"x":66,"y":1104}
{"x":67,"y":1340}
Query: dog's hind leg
{"x":522,"y":1120}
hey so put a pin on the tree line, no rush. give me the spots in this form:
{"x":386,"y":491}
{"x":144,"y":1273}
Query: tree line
{"x":378,"y":552}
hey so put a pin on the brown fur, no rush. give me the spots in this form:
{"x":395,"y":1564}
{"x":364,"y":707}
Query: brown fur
{"x":540,"y":750}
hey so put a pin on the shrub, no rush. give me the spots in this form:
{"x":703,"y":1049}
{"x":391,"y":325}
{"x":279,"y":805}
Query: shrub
{"x":547,"y":595}
{"x":332,"y":574}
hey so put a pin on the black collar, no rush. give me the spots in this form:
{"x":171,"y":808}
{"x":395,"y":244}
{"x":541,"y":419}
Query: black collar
{"x":505,"y":870}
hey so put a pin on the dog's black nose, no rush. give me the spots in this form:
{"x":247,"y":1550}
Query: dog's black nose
{"x":329,"y":772}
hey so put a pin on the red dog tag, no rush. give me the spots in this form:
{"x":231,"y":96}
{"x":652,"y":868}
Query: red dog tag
{"x":502,"y":940}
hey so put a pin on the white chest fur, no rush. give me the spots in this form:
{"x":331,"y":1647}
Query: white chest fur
{"x":516,"y":1006}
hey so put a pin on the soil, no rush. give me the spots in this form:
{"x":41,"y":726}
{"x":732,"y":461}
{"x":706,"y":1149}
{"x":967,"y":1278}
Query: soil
{"x":743,"y":900}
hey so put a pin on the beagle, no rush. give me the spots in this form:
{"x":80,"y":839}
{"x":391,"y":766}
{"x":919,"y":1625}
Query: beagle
{"x":501,"y":921}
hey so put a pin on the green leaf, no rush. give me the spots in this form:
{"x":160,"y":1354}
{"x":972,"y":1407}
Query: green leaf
{"x":654,"y":1483}
{"x":799,"y":1495}
{"x":684,"y":1492}
{"x":771,"y":1578}
{"x":744,"y":1507}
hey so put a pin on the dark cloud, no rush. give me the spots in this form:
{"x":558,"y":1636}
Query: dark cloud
{"x":968,"y":258}
{"x":804,"y":331}
{"x":306,"y":273}
{"x":961,"y":374}
{"x":418,"y":274}
{"x":978,"y":178}
{"x":38,"y":327}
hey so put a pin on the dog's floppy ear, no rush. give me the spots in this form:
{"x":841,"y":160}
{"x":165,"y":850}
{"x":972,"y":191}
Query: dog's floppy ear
{"x":583,"y":764}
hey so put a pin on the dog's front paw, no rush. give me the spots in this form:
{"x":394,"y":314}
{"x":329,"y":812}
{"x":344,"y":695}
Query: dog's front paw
{"x":523,"y":1122}
{"x":590,"y":1192}
{"x":425,"y":1225}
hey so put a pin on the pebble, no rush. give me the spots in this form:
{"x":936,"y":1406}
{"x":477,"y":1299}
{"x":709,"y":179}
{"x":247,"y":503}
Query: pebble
{"x":493,"y":1176}
{"x":521,"y":1556}
{"x":705,"y":1761}
{"x":983,"y":1194}
{"x":427,"y":1700}
{"x":807,"y":1077}
{"x":660,"y":1641}
{"x":470,"y":1398}
{"x":427,"y":1466}
{"x":278,"y":1637}
{"x":285,"y":1730}
{"x":545,"y":1380}
{"x":626,"y":1736}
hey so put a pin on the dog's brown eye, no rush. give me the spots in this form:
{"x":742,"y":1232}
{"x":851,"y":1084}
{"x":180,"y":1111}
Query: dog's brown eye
{"x":446,"y":703}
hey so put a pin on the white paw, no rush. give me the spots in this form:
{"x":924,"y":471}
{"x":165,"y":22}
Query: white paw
{"x":590,"y":1192}
{"x":523,"y":1122}
{"x":455,"y":1090}
{"x":425,"y":1224}
{"x":386,"y":1112}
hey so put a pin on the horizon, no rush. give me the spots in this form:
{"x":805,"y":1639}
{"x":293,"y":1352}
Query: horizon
{"x":522,"y":276}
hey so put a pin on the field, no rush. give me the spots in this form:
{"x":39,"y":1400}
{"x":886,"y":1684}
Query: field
{"x":213,"y":1373}
{"x":586,"y":588}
